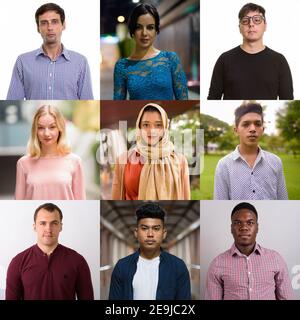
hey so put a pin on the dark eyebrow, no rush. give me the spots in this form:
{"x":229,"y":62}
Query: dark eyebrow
{"x":151,"y":24}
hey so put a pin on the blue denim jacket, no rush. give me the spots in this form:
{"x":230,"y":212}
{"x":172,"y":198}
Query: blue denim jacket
{"x":173,"y":279}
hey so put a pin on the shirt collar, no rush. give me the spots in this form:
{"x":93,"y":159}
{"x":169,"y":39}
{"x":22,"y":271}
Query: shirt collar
{"x":237,"y":155}
{"x":65,"y":53}
{"x":235,"y":251}
{"x":41,"y":253}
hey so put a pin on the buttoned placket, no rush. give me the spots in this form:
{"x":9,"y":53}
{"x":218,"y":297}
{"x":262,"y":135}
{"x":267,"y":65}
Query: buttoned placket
{"x":250,"y":277}
{"x":50,"y":79}
{"x":252,"y":172}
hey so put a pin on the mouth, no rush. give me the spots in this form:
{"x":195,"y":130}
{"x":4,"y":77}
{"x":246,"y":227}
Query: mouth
{"x":252,"y":137}
{"x":244,"y":236}
{"x":150,"y":242}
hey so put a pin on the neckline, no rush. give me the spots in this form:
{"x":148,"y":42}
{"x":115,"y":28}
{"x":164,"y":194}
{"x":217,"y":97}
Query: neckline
{"x":253,"y":54}
{"x":139,"y":60}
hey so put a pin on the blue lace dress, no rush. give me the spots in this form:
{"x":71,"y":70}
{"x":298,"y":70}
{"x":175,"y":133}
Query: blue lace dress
{"x":158,"y":78}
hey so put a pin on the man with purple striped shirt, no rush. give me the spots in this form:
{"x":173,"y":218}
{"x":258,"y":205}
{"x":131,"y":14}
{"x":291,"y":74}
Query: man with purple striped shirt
{"x":247,"y":271}
{"x":51,"y":72}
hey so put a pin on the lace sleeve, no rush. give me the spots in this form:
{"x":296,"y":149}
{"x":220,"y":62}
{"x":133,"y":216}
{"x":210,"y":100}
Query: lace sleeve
{"x":120,"y":87}
{"x":179,"y":79}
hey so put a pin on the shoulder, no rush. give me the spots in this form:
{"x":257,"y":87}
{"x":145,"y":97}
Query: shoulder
{"x":274,"y":54}
{"x":126,"y":261}
{"x":181,"y":158}
{"x":23,"y":161}
{"x":231,"y":53}
{"x":272,"y":255}
{"x":219,"y":260}
{"x":73,"y":157}
{"x":170,"y":55}
{"x":28,"y":55}
{"x":20,"y":256}
{"x":271,"y":157}
{"x":226,"y":160}
{"x":75,"y":55}
{"x":121,"y":63}
{"x":173,"y":259}
{"x":71,"y":253}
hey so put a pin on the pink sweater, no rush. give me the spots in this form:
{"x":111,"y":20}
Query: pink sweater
{"x":57,"y":178}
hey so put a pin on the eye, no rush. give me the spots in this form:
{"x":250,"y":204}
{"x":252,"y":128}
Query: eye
{"x":150,"y":28}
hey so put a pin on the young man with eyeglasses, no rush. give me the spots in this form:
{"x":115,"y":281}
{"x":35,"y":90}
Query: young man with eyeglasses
{"x":51,"y":72}
{"x":251,"y":70}
{"x":247,"y":271}
{"x":249,"y":172}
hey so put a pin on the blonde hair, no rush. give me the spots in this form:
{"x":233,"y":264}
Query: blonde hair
{"x":34,"y":145}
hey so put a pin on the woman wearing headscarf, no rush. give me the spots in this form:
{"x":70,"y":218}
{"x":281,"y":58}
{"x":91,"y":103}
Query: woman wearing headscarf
{"x":151,"y":170}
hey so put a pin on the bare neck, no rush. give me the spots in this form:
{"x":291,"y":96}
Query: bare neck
{"x":246,"y":250}
{"x":49,"y":151}
{"x":47,"y":249}
{"x":248,"y":150}
{"x":142,"y":54}
{"x":253,"y":47}
{"x":149,"y":254}
{"x":52,"y":50}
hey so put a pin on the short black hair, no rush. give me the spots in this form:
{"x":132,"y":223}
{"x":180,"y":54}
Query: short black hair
{"x":150,"y":210}
{"x":244,"y":205}
{"x":247,"y":108}
{"x":51,"y":207}
{"x":139,"y":10}
{"x":49,"y":7}
{"x":251,"y":7}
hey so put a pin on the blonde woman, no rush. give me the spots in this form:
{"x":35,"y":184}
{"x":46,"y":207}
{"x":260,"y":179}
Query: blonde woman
{"x":49,"y":170}
{"x":151,"y":170}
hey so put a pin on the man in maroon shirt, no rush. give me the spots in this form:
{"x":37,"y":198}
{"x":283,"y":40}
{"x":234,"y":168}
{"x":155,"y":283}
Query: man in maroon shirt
{"x":48,"y":270}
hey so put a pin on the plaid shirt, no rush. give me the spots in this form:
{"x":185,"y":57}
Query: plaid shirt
{"x":262,"y":275}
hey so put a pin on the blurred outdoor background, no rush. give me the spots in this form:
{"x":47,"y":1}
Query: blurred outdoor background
{"x":185,"y":120}
{"x":281,"y":137}
{"x":82,"y":125}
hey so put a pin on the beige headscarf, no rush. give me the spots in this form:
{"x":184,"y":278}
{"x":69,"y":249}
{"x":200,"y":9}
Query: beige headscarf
{"x":160,"y":176}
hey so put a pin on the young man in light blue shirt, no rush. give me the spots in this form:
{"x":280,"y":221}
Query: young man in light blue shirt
{"x":51,"y":72}
{"x":249,"y":172}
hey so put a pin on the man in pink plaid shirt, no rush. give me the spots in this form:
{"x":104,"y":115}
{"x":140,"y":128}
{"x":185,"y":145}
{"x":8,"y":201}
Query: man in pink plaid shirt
{"x":247,"y":271}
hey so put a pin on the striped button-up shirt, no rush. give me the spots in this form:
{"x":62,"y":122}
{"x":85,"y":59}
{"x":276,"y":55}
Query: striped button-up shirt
{"x":262,"y":275}
{"x":36,"y":77}
{"x":236,"y":180}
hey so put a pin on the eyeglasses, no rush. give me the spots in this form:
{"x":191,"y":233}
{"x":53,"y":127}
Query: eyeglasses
{"x":257,"y":19}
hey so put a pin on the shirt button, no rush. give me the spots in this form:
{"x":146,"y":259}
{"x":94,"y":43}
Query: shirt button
{"x":50,"y":74}
{"x":49,"y":87}
{"x":249,"y":272}
{"x":253,"y":191}
{"x":252,"y":173}
{"x":250,"y":289}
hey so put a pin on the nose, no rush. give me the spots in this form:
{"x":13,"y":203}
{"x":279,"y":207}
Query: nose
{"x":144,"y":31}
{"x":251,"y":21}
{"x":150,"y":233}
{"x":244,"y":226}
{"x":47,"y":131}
{"x":252,"y":127}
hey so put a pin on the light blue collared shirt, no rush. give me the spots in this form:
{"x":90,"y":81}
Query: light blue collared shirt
{"x":236,"y":180}
{"x":36,"y":77}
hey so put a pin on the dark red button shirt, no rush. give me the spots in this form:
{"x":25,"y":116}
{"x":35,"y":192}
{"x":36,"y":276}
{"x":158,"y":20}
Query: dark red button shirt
{"x":64,"y":275}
